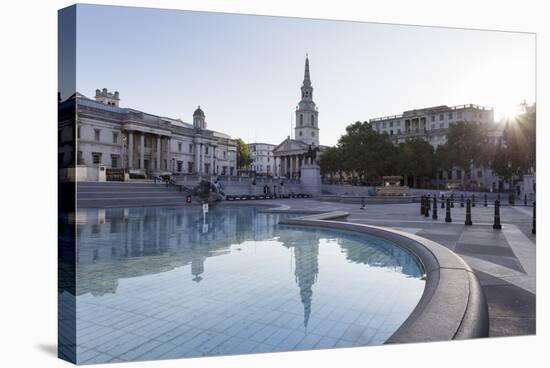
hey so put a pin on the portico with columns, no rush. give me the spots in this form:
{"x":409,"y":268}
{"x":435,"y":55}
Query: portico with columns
{"x":147,"y":150}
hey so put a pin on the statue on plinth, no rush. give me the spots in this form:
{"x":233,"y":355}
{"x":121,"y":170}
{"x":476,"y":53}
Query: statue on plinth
{"x":311,"y":154}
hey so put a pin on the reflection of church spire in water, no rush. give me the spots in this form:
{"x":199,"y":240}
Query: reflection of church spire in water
{"x":197,"y":267}
{"x":307,"y":268}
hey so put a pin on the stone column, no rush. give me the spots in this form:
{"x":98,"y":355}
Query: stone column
{"x":291,"y":166}
{"x":159,"y":164}
{"x":168,"y":152}
{"x":197,"y":157}
{"x":130,"y":150}
{"x":212,"y":168}
{"x":201,"y":159}
{"x":141,"y":150}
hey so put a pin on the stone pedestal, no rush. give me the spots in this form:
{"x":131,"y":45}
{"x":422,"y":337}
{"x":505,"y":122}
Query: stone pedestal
{"x":311,"y":180}
{"x":528,"y":185}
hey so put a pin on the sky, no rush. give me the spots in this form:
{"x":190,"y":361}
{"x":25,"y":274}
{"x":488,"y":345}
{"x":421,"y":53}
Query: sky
{"x":245,"y":71}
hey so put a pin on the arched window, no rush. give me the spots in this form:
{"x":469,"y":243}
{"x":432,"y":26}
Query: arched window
{"x":312,"y":120}
{"x":313,"y":134}
{"x":300,"y":134}
{"x":301,"y":119}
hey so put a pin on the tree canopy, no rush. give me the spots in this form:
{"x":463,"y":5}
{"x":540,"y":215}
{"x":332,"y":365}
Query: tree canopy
{"x":243,"y":155}
{"x":364,"y":153}
{"x":516,"y":152}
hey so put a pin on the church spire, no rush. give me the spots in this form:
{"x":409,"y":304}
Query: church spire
{"x":307,"y":81}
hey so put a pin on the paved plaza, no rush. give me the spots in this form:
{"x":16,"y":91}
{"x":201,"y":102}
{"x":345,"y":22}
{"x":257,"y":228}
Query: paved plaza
{"x":503,"y":260}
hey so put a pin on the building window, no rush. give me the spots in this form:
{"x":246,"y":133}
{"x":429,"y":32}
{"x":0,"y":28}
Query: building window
{"x":114,"y":161}
{"x":301,"y":119}
{"x":391,"y":124}
{"x":96,"y":134}
{"x":441,"y":117}
{"x":433,"y":117}
{"x":190,"y":148}
{"x":313,"y":134}
{"x":223,"y":154}
{"x":96,"y":157}
{"x":180,"y":166}
{"x":459,"y":114}
{"x":312,"y":120}
{"x":78,"y":132}
{"x":300,"y":133}
{"x":458,"y":174}
{"x":79,"y":158}
{"x":450,"y":115}
{"x":190,"y":167}
{"x":179,"y":149}
{"x":115,"y":137}
{"x":206,"y":150}
{"x":449,"y":174}
{"x":384,"y":125}
{"x":441,"y":125}
{"x":479,"y":174}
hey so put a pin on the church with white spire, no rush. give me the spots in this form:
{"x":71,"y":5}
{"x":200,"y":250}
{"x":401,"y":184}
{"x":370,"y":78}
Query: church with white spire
{"x":290,"y":154}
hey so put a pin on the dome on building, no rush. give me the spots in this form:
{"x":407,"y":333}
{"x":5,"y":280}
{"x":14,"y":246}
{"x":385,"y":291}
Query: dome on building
{"x":198,"y":112}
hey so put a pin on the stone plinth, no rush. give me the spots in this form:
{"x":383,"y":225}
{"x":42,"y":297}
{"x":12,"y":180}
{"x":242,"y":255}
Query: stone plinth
{"x":311,"y":180}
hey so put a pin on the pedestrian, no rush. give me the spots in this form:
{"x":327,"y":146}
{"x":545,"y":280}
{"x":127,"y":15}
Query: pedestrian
{"x":362,"y":203}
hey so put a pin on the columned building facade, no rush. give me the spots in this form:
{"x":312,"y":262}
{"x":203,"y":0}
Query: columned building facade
{"x":147,"y":145}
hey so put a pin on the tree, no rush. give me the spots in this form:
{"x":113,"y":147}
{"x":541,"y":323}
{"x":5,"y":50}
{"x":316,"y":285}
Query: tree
{"x":366,"y":152}
{"x":416,"y":159}
{"x":466,"y":145}
{"x":331,"y":161}
{"x":243,"y":155}
{"x":515,"y":154}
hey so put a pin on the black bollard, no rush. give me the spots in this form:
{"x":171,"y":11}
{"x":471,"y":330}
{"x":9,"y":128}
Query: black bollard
{"x":427,"y":209}
{"x":442,"y":201}
{"x":434,"y":210}
{"x":496,"y":224}
{"x":533,"y":230}
{"x":422,"y":205}
{"x":448,"y":211}
{"x":525,"y":199}
{"x":462,"y":200}
{"x":473,"y":200}
{"x":452,"y":201}
{"x":468,"y":213}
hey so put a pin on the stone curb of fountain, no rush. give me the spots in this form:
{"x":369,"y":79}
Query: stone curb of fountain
{"x":452,"y":306}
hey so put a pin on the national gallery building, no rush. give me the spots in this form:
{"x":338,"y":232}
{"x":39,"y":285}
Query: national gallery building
{"x":114,"y":137}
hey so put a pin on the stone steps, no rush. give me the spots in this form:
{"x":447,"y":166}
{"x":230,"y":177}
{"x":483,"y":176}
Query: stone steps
{"x":128,"y":194}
